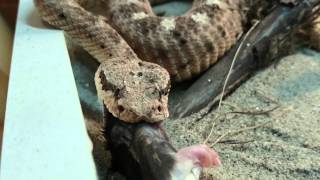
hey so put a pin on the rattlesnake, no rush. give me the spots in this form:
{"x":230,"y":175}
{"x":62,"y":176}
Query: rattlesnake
{"x":182,"y":46}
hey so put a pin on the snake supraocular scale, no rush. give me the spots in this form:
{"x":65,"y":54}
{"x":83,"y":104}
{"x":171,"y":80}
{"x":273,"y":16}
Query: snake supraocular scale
{"x":183,"y":46}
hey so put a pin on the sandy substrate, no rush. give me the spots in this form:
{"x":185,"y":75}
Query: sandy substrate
{"x":286,"y":145}
{"x":286,"y":141}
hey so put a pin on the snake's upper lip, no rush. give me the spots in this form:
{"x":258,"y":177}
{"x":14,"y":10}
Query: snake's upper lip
{"x":155,"y":117}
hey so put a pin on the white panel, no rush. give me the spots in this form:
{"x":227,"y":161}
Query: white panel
{"x":44,"y":135}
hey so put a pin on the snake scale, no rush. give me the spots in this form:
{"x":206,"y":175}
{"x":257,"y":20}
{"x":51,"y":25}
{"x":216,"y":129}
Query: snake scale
{"x":139,"y":51}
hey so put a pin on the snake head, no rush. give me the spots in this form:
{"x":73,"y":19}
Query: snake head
{"x":134,"y":90}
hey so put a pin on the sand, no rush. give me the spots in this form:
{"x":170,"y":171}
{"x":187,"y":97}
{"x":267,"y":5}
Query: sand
{"x":286,"y":142}
{"x":281,"y":101}
{"x":287,"y":146}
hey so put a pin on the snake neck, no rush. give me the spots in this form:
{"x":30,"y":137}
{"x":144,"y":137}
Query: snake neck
{"x":90,"y":31}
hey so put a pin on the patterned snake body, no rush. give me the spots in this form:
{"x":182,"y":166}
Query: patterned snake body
{"x":186,"y":45}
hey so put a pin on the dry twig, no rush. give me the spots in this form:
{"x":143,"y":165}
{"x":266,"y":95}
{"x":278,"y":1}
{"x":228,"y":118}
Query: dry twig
{"x":256,"y":112}
{"x":237,"y":131}
{"x":227,"y":78}
{"x":231,"y":141}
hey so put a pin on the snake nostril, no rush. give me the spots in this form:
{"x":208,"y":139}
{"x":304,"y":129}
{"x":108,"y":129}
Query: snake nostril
{"x":120,"y":108}
{"x":62,"y":16}
{"x":151,"y":80}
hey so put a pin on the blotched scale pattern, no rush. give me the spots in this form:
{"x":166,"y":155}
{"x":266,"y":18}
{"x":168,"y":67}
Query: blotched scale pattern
{"x":185,"y":45}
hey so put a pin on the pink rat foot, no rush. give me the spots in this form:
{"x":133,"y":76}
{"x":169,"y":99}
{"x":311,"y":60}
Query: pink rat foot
{"x":190,"y":161}
{"x":201,"y":155}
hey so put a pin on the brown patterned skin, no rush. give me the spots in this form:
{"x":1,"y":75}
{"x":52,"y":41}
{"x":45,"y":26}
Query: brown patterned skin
{"x":185,"y":45}
{"x":132,"y":89}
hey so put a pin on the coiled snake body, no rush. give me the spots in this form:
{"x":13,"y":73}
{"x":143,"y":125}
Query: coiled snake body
{"x":182,"y":46}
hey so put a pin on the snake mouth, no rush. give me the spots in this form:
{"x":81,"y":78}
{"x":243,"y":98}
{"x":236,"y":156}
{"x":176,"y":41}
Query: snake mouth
{"x":158,"y":117}
{"x":155,"y":115}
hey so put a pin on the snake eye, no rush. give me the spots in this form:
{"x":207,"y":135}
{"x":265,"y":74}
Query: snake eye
{"x":155,"y":91}
{"x":164,"y":92}
{"x":117,"y":93}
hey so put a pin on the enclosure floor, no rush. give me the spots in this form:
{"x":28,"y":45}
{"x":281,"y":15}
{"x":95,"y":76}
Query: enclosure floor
{"x":287,"y":146}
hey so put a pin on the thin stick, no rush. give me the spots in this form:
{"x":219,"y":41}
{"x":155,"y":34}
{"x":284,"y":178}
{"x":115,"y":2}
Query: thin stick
{"x":257,"y":112}
{"x":234,"y":60}
{"x":238,"y":131}
{"x":235,"y":142}
{"x":264,"y":95}
{"x":211,"y":130}
{"x":227,"y":78}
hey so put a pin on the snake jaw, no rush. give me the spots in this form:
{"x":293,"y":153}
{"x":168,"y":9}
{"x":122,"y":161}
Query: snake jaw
{"x":134,"y":90}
